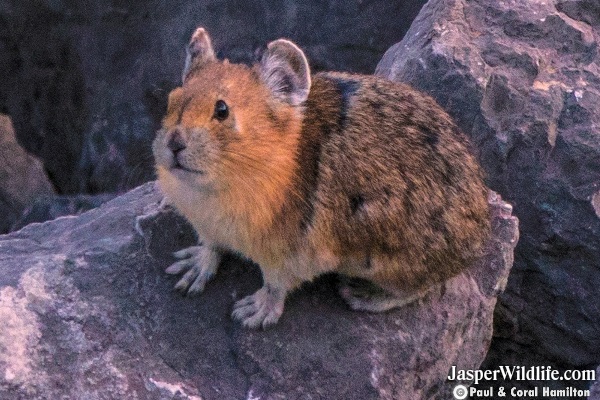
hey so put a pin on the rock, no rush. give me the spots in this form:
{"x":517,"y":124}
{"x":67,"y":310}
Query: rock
{"x":86,"y":82}
{"x":522,"y":79}
{"x":595,"y":389}
{"x":88,"y":313}
{"x":22,"y":177}
{"x":49,"y":208}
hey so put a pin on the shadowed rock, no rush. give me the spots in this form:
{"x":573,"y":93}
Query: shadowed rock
{"x":89,"y":313}
{"x":595,"y":389}
{"x":22,"y":177}
{"x":47,"y":208}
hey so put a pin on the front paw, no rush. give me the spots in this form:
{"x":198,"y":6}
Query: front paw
{"x":201,"y":264}
{"x":263,"y":308}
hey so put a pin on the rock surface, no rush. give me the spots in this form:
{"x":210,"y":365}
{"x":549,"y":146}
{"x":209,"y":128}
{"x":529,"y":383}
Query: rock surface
{"x":22,"y":177}
{"x":522,"y":79}
{"x":48,"y":208}
{"x":86,"y":81}
{"x":595,"y":389}
{"x":87,"y":312}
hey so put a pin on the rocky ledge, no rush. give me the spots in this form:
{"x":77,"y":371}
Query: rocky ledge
{"x":87,"y":312}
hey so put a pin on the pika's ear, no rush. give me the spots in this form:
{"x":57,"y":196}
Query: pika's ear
{"x":199,"y":52}
{"x":285,"y":71}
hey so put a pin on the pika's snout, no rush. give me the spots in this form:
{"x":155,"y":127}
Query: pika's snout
{"x":180,"y":149}
{"x":175,"y":141}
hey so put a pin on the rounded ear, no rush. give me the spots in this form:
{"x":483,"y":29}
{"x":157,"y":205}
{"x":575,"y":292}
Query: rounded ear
{"x":285,"y":71}
{"x":198,"y":52}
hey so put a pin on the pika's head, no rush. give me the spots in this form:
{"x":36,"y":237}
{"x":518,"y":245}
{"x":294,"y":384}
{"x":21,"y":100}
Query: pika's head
{"x":231,"y":125}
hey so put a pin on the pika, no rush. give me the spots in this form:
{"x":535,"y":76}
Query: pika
{"x":304,"y":175}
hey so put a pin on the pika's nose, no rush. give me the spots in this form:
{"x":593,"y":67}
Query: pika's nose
{"x":176,"y":142}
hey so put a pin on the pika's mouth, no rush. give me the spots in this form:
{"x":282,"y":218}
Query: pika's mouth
{"x":177,"y":166}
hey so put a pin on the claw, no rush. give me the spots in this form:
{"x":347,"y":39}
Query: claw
{"x":180,"y":266}
{"x":189,"y":278}
{"x":248,"y":300}
{"x":198,"y":285}
{"x":188,"y":252}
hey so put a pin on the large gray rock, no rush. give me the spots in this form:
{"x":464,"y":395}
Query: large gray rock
{"x":595,"y":389}
{"x":88,"y":313}
{"x":86,"y":81}
{"x":522,"y":79}
{"x":22,"y":177}
{"x":51,"y":207}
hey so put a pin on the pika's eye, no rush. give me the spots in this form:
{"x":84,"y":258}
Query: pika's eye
{"x":221,"y":110}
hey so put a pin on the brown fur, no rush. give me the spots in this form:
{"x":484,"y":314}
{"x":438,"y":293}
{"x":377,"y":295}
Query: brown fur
{"x":394,"y":181}
{"x":367,"y":177}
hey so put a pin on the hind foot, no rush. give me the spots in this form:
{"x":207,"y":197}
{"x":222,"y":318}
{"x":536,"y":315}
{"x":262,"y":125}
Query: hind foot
{"x":364,"y":295}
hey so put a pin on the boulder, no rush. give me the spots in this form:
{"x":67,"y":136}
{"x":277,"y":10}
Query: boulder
{"x":51,"y":207}
{"x":522,"y":79}
{"x":22,"y":177}
{"x":595,"y":389}
{"x":88,"y":312}
{"x":86,"y":82}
